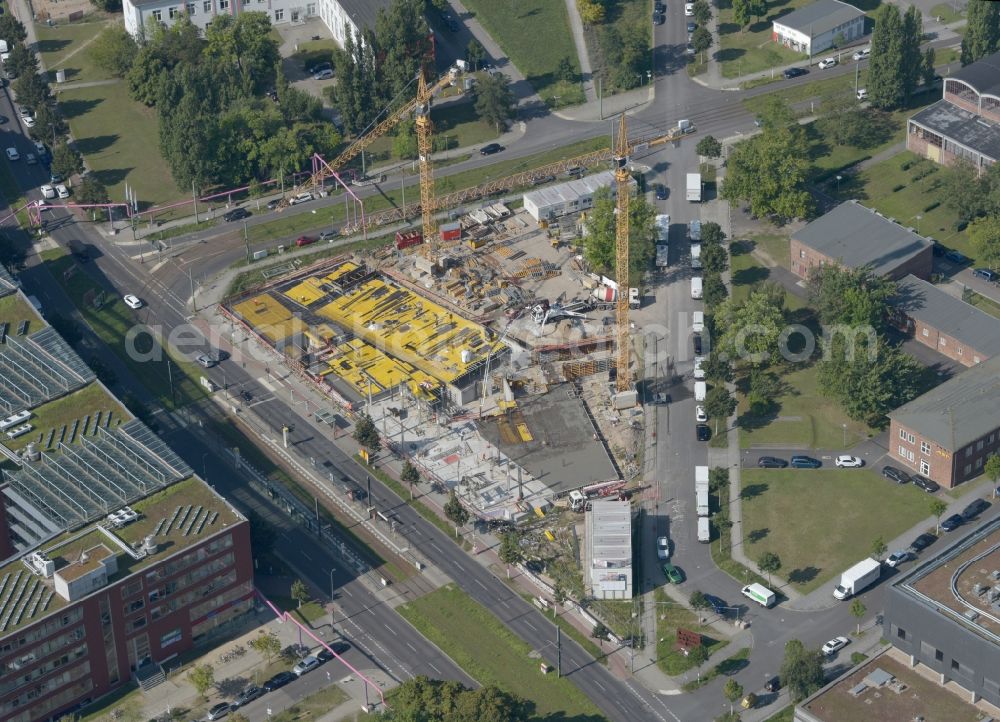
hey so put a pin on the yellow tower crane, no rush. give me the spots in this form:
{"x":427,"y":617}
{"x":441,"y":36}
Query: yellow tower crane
{"x":620,"y":158}
{"x":424,"y":128}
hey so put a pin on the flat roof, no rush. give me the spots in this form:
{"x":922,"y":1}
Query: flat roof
{"x":819,"y":17}
{"x":886,"y":689}
{"x":857,"y":236}
{"x":962,"y":126}
{"x":950,"y":582}
{"x":959,"y":411}
{"x":570,"y":190}
{"x":178,"y":516}
{"x":926,"y":302}
{"x":983,"y":75}
{"x":7,"y":283}
{"x":363,"y":12}
{"x":611,"y":534}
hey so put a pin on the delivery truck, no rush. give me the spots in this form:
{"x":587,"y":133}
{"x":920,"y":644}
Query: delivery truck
{"x":858,"y":578}
{"x":701,"y":489}
{"x":704,"y":530}
{"x":694,"y":187}
{"x":760,"y":594}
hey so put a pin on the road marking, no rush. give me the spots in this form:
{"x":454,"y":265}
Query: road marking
{"x":531,"y":625}
{"x":603,"y":688}
{"x":306,"y":555}
{"x":431,"y":665}
{"x":411,"y":646}
{"x":481,"y":584}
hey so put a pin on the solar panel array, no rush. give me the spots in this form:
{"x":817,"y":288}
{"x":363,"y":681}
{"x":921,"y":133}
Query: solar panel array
{"x":85,"y":482}
{"x":38,"y":369}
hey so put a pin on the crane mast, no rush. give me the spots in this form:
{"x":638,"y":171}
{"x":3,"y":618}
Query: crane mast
{"x":620,"y":158}
{"x":424,"y":148}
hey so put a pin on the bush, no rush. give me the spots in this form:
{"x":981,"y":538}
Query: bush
{"x":906,"y":165}
{"x":959,"y":225}
{"x":897,"y":189}
{"x":932,"y":206}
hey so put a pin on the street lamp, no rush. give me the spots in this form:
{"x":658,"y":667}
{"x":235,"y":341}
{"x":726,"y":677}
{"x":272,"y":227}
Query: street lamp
{"x":204,"y":467}
{"x":332,"y":610}
{"x":839,"y":178}
{"x":649,"y":76}
{"x":918,"y":217}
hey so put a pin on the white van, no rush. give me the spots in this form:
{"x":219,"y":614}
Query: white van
{"x":696,"y":287}
{"x":700,"y":390}
{"x":698,"y":321}
{"x":696,"y":256}
{"x":704,"y":531}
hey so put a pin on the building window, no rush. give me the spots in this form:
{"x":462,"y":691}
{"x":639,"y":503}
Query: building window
{"x":979,"y":445}
{"x":925,"y":448}
{"x":968,"y":452}
{"x":311,"y":9}
{"x":802,"y":254}
{"x":968,"y":469}
{"x":223,"y":4}
{"x":960,"y":351}
{"x":157,"y":15}
{"x":926,"y":333}
{"x":206,"y":6}
{"x":171,"y":637}
{"x":979,"y":463}
{"x":172,"y":12}
{"x":944,"y":342}
{"x":135,"y":605}
{"x":279,"y":14}
{"x":925,"y":468}
{"x":991,"y":439}
{"x":902,"y":451}
{"x":901,"y":633}
{"x":938,"y":655}
{"x":138,"y":623}
{"x":191,"y":9}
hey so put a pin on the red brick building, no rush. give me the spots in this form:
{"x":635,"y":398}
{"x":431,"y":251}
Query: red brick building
{"x":82,"y":613}
{"x":944,"y":323}
{"x":853,"y":236}
{"x":965,"y":123}
{"x":948,"y":433}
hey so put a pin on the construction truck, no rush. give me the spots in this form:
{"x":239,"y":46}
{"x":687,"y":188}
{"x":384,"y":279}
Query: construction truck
{"x":701,"y":489}
{"x":578,"y":498}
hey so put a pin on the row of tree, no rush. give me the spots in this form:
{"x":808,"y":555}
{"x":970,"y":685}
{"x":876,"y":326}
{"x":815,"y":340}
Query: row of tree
{"x":897,"y":65}
{"x":975,"y":197}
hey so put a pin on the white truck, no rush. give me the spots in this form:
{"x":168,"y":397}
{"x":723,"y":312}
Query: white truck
{"x":700,"y":390}
{"x":694,"y":187}
{"x":698,"y":321}
{"x":704,"y":530}
{"x":760,"y":594}
{"x":858,"y":578}
{"x":701,"y":489}
{"x":696,"y":287}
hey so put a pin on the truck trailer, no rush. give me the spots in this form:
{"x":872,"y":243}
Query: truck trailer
{"x":701,"y":489}
{"x":858,"y":578}
{"x":704,"y":530}
{"x":760,"y":594}
{"x":694,"y":187}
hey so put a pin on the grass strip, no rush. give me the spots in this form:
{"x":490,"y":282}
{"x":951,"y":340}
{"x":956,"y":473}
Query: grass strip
{"x":728,"y":666}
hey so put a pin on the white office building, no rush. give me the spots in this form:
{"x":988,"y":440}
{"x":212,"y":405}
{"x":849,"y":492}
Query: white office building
{"x":815,"y":28}
{"x":609,"y":549}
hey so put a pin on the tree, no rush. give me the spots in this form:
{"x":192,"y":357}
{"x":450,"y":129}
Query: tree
{"x":402,"y":46}
{"x":751,"y":328}
{"x":267,"y":645}
{"x":768,"y":171}
{"x":801,"y":670}
{"x":858,"y":610}
{"x":108,"y":6}
{"x":927,"y":74}
{"x":455,"y":512}
{"x":982,"y":31}
{"x":965,"y":191}
{"x":495,"y":101}
{"x":709,"y":147}
{"x":366,"y":434}
{"x":985,"y":236}
{"x":765,"y":387}
{"x":11,"y":30}
{"x":879,"y":548}
{"x":565,"y":70}
{"x":31,"y":89}
{"x":733,"y":691}
{"x":938,"y":508}
{"x":21,"y":61}
{"x":591,"y":13}
{"x":202,"y":677}
{"x":992,"y":468}
{"x":475,"y":53}
{"x":599,"y":243}
{"x":510,"y":548}
{"x":714,"y":258}
{"x":245,"y":43}
{"x":355,"y":96}
{"x":697,"y":656}
{"x":913,"y":33}
{"x":48,"y":124}
{"x":300,"y":592}
{"x":702,"y":12}
{"x":420,"y":698}
{"x":698,"y":600}
{"x":66,"y":161}
{"x":714,"y":290}
{"x":600,"y":632}
{"x":852,"y":297}
{"x":719,"y":404}
{"x":410,"y":475}
{"x":758,"y":8}
{"x":742,"y":13}
{"x":114,"y":50}
{"x":558,"y":596}
{"x":701,"y":39}
{"x":711,"y":232}
{"x":717,"y":369}
{"x":91,"y":190}
{"x":769,"y":563}
{"x":885,"y":82}
{"x":718,"y":477}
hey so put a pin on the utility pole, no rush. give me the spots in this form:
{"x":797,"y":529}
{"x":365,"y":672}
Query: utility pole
{"x":246,"y":240}
{"x":857,"y":73}
{"x":194,"y":304}
{"x":194,"y":199}
{"x":559,"y":651}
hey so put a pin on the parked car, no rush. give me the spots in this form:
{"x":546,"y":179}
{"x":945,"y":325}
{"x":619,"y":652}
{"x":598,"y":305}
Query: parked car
{"x":28,"y":120}
{"x":248,"y":695}
{"x":55,"y":178}
{"x":692,"y":26}
{"x":62,"y":191}
{"x":794,"y":73}
{"x":894,"y":474}
{"x":689,"y":10}
{"x":662,"y":547}
{"x":771,"y":462}
{"x":689,"y":49}
{"x":987,"y":275}
{"x":300,"y":198}
{"x":48,"y":191}
{"x":862,"y":54}
{"x":659,"y":7}
{"x":952,"y":522}
{"x":271,"y":205}
{"x":805,"y":462}
{"x":846,"y":461}
{"x":236,"y":214}
{"x":955,"y":257}
{"x":700,"y":414}
{"x":305,"y":240}
{"x":699,"y":372}
{"x":218,"y":711}
{"x":922,"y":542}
{"x":718,"y":605}
{"x":305,"y":666}
{"x":696,"y":343}
{"x":323,"y":75}
{"x":205,"y":360}
{"x":974,"y":509}
{"x":30,"y":159}
{"x":772,"y":685}
{"x":703,"y":432}
{"x":490,"y":149}
{"x":827,"y":63}
{"x":12,"y":154}
{"x":659,"y":19}
{"x":133,"y":302}
{"x":318,"y":67}
{"x":40,"y":147}
{"x":329,"y":235}
{"x":278,"y":681}
{"x":862,"y":94}
{"x":924,"y":483}
{"x":835,"y":645}
{"x":897,"y":558}
{"x":661,"y":192}
{"x":673,"y":574}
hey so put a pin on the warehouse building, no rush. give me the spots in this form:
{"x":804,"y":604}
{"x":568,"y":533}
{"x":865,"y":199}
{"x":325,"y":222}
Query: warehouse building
{"x":609,"y":549}
{"x":546,"y":204}
{"x":819,"y":26}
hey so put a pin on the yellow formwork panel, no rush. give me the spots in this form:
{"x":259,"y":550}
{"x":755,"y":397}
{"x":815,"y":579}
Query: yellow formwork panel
{"x":345,"y":267}
{"x":269,"y":318}
{"x":522,"y":431}
{"x":357,"y":363}
{"x":306,"y":292}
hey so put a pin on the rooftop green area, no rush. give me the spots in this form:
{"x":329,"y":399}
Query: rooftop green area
{"x":69,"y":418}
{"x":14,"y":310}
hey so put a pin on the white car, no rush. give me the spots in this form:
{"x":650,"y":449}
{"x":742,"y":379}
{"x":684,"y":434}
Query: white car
{"x":133,"y":302}
{"x":48,"y":191}
{"x":700,"y":414}
{"x":862,"y":94}
{"x":12,"y":154}
{"x":323,"y":75}
{"x":827,"y":63}
{"x":62,"y":191}
{"x":30,"y":159}
{"x":845,"y":461}
{"x":897,"y":558}
{"x":699,"y":372}
{"x":663,"y":547}
{"x":862,"y":54}
{"x":28,"y":121}
{"x":40,"y":147}
{"x":689,"y":9}
{"x":300,"y":198}
{"x":306,"y":665}
{"x":835,"y":645}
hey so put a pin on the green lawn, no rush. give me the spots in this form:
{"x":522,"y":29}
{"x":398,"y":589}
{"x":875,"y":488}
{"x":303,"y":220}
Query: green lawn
{"x":76,"y":406}
{"x":13,"y":311}
{"x":490,"y":653}
{"x":902,"y":193}
{"x":670,"y":617}
{"x":985,"y":304}
{"x":62,"y":47}
{"x":315,"y":51}
{"x":790,"y":511}
{"x":119,"y":139}
{"x":747,"y":271}
{"x":805,"y":418}
{"x":535,"y":35}
{"x":785,"y":715}
{"x":313,"y":707}
{"x":947,"y":13}
{"x":807,"y":91}
{"x":112,"y":321}
{"x":456,"y":125}
{"x":743,"y":51}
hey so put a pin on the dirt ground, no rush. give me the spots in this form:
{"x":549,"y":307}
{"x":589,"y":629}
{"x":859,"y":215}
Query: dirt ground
{"x":60,"y":10}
